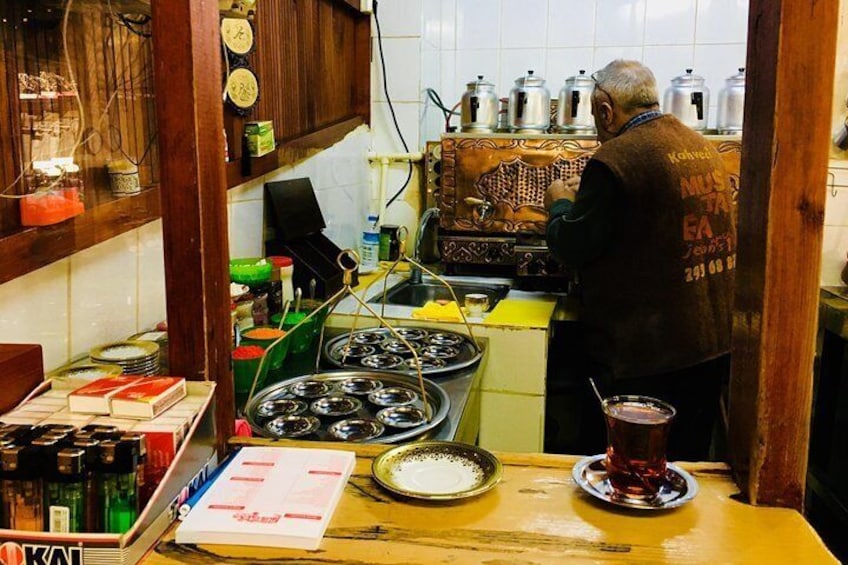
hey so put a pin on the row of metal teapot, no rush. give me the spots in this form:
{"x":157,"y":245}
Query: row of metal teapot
{"x":528,"y":108}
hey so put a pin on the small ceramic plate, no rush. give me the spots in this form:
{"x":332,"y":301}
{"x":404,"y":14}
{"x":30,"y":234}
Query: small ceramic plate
{"x":91,"y":372}
{"x":591,"y":474}
{"x":125,"y":351}
{"x":436,"y":470}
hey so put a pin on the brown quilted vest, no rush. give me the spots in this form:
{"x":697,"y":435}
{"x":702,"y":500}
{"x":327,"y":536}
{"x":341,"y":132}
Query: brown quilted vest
{"x":660,"y":297}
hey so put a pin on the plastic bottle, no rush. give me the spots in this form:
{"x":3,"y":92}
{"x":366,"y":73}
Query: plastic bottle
{"x":286,"y":269}
{"x":369,"y":249}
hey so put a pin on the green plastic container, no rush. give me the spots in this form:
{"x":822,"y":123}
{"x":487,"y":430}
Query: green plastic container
{"x":278,"y":354}
{"x":250,"y":270}
{"x":302,"y":337}
{"x":244,"y":370}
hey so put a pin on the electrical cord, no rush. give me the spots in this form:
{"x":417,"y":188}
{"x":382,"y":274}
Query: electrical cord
{"x":391,"y":107}
{"x":437,"y":100}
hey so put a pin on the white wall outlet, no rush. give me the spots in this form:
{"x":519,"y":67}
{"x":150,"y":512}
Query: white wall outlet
{"x":366,"y":6}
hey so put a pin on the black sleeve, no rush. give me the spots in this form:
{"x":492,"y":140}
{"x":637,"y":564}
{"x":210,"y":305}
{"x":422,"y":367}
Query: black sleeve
{"x":579,"y":232}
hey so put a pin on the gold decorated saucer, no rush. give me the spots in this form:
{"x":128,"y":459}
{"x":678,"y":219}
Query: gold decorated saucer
{"x":436,"y":470}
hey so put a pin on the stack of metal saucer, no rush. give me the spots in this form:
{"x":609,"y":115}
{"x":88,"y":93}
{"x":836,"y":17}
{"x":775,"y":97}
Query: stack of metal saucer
{"x":134,"y":357}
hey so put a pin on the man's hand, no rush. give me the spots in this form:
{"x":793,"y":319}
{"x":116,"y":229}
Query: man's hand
{"x":560,"y":189}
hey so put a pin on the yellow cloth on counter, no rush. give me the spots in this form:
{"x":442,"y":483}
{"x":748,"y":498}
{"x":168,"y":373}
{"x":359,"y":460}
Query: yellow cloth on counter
{"x":448,"y":312}
{"x":522,"y":313}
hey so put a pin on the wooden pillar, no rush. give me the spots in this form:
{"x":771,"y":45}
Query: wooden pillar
{"x":791,"y":53}
{"x":187,"y":55}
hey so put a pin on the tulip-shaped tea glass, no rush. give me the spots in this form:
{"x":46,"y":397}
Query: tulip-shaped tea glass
{"x":637,"y":436}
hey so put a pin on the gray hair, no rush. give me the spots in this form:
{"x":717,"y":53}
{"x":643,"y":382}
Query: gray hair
{"x":630,"y":84}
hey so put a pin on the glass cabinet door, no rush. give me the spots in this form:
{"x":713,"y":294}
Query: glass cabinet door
{"x":80,"y":126}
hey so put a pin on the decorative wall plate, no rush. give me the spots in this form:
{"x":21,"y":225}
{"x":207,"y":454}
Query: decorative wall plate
{"x":242,"y":89}
{"x":237,"y":35}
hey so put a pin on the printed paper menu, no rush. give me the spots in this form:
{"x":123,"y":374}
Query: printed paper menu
{"x":271,"y":496}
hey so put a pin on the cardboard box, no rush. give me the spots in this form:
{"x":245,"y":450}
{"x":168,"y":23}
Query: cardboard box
{"x":147,"y":398}
{"x":191,"y":463}
{"x":69,"y":419}
{"x":94,"y":398}
{"x":260,"y":138}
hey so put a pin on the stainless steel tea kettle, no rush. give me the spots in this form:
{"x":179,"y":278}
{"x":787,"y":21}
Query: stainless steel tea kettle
{"x":574,"y":111}
{"x":529,"y":105}
{"x":731,"y":104}
{"x":689,"y":100}
{"x":479,"y":107}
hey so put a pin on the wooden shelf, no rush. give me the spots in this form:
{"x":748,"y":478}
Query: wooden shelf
{"x":291,"y":151}
{"x":259,"y":166}
{"x":29,"y":249}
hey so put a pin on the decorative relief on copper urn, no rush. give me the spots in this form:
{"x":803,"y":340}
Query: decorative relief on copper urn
{"x":497,"y":185}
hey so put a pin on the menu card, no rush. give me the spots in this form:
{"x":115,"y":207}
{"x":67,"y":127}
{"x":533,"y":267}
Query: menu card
{"x":271,"y":496}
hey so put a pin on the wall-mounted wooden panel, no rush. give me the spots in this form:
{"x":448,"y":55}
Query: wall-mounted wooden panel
{"x":312,"y":59}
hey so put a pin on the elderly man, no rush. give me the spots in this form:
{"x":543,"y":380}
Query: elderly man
{"x":651,"y":232}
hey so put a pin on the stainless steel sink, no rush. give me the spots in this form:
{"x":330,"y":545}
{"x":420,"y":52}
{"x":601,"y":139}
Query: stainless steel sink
{"x":407,"y":293}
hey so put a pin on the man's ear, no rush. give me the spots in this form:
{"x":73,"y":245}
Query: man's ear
{"x":606,"y":114}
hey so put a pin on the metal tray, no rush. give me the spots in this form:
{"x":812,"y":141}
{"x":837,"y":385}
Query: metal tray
{"x":437,"y":399}
{"x":382,"y":341}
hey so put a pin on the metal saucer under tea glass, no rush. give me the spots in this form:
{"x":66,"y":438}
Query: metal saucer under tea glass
{"x":361,"y":425}
{"x":591,"y":475}
{"x":453,"y":350}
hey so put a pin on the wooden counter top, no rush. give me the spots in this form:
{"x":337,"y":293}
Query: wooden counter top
{"x":535,"y":516}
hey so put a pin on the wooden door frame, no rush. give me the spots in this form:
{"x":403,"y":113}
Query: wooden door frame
{"x":190,"y":115}
{"x":791,"y":53}
{"x":785,"y":148}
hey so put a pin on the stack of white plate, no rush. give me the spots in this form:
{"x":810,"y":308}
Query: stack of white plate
{"x":134,"y":357}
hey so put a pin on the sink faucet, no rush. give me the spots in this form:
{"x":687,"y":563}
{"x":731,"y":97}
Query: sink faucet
{"x":415,"y":272}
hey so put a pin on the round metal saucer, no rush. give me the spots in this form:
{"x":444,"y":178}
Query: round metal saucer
{"x":425,"y":363}
{"x":382,"y":361}
{"x":354,"y":351}
{"x":293,"y":426}
{"x":591,"y":474}
{"x":393,"y":396}
{"x":398,"y":347}
{"x":360,"y":385}
{"x":356,"y":429}
{"x":311,"y":389}
{"x":402,"y":416}
{"x":368,"y":338}
{"x":335,"y":406}
{"x":442,"y":338}
{"x":280,"y":407}
{"x":440,"y":351}
{"x":413,"y":334}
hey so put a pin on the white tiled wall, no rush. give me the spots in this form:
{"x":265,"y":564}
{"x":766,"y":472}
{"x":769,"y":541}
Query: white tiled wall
{"x":340,"y":176}
{"x":105,"y":293}
{"x":504,"y":38}
{"x":117,"y":288}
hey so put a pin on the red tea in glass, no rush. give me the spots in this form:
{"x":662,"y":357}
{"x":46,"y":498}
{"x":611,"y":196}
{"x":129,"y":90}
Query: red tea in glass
{"x":637,"y":435}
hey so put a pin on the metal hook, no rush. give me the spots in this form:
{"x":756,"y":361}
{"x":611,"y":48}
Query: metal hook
{"x":832,"y":183}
